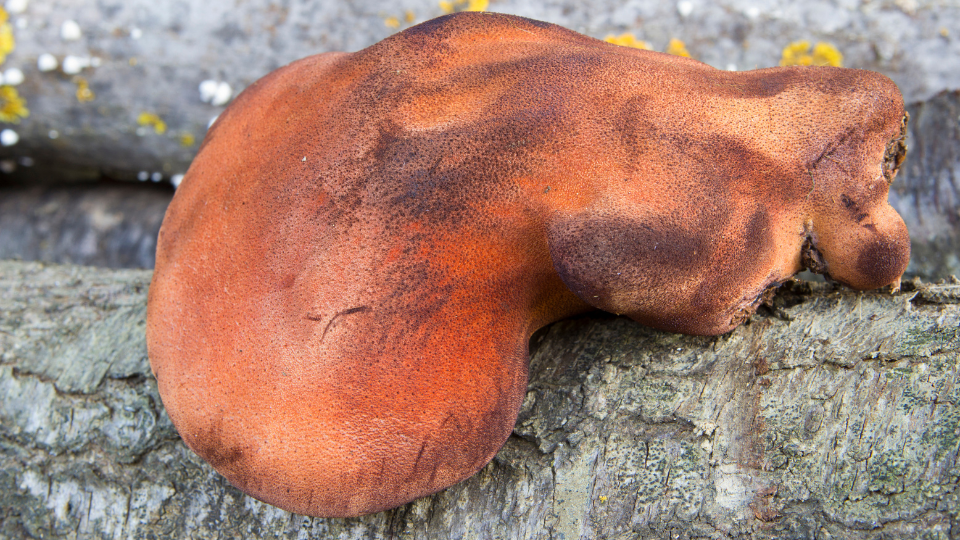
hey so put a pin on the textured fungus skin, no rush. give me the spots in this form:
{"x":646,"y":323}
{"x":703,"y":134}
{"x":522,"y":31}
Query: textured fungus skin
{"x":348,"y":277}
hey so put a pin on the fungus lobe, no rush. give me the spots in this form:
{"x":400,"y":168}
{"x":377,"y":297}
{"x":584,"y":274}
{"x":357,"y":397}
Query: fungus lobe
{"x":349,"y":273}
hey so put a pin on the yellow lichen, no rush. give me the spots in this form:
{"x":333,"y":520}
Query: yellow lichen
{"x":478,"y":5}
{"x":392,"y":22}
{"x":187,"y":139}
{"x":678,"y":48}
{"x":449,"y":6}
{"x":84,"y":93}
{"x":12,"y":106}
{"x":798,"y":54}
{"x":149,"y":119}
{"x":7,"y":42}
{"x":409,"y":16}
{"x":627,"y":40}
{"x":825,"y":54}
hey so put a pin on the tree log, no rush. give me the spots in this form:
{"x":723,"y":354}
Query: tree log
{"x":831,"y":414}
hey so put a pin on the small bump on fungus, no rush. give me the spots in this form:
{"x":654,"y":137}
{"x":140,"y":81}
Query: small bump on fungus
{"x":349,"y":274}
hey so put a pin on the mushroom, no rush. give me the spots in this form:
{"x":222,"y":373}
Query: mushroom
{"x":350,"y":272}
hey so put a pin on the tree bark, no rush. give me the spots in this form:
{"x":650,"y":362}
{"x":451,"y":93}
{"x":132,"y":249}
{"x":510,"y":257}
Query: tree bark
{"x":109,"y":225}
{"x":831,"y":414}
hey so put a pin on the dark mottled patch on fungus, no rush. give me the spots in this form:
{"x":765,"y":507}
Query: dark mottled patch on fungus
{"x":882,"y":262}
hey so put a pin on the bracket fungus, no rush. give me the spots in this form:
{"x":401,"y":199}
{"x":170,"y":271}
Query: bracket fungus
{"x":350,"y":272}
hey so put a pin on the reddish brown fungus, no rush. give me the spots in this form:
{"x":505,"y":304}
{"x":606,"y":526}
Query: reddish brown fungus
{"x":349,"y":274}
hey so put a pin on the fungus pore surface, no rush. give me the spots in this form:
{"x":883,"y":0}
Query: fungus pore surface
{"x":350,"y":272}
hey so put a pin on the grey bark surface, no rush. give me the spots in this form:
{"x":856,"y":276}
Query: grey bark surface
{"x":150,"y":56}
{"x":832,"y":414}
{"x":111,"y":225}
{"x":927,"y":190}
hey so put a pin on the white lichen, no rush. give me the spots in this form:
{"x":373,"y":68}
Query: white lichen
{"x":73,"y":65}
{"x":216,"y":93}
{"x":16,"y":7}
{"x":70,"y":30}
{"x":223,"y":95}
{"x":47,"y":62}
{"x":12,"y":77}
{"x":9,"y":137}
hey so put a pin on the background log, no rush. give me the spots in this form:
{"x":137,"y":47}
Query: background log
{"x":104,"y":224}
{"x":832,"y":414}
{"x":152,"y":55}
{"x":148,"y":58}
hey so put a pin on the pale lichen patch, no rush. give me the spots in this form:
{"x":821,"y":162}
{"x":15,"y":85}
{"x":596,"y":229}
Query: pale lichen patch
{"x":12,"y":77}
{"x":216,"y":93}
{"x":70,"y":30}
{"x":16,"y":6}
{"x":47,"y":62}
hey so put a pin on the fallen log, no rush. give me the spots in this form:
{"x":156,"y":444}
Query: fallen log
{"x":831,"y":414}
